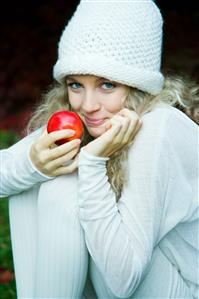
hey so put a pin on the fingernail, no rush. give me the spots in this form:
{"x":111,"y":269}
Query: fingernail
{"x":71,"y":133}
{"x":76,"y":142}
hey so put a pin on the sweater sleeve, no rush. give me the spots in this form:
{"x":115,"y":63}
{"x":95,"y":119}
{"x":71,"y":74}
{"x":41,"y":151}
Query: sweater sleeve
{"x":17,"y":172}
{"x":121,"y":236}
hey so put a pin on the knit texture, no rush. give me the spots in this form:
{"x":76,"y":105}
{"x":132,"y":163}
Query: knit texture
{"x":118,"y":40}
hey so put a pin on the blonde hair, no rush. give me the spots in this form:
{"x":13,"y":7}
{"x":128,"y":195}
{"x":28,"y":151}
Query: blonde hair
{"x":177,"y":92}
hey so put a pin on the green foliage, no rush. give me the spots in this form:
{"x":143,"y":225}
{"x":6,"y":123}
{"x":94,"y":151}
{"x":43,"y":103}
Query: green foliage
{"x":7,"y":138}
{"x":7,"y":290}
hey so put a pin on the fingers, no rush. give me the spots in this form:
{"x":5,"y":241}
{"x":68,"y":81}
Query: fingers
{"x":46,"y":140}
{"x":66,"y":169}
{"x":111,"y":134}
{"x":107,"y":125}
{"x":61,"y":150}
{"x":64,"y":160}
{"x":132,"y":130}
{"x":129,"y":124}
{"x":52,"y":160}
{"x":124,"y":127}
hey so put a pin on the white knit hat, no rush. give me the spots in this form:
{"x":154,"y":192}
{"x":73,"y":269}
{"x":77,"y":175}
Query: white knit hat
{"x":115,"y":39}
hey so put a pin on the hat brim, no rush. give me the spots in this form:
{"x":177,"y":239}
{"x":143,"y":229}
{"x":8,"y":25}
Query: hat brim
{"x":146,"y":80}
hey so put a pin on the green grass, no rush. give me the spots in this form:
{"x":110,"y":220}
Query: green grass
{"x":7,"y":290}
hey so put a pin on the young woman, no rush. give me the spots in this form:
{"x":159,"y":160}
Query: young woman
{"x":125,"y":210}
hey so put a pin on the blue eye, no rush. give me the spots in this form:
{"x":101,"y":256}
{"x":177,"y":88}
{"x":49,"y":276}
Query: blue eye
{"x":108,"y":85}
{"x":74,"y":85}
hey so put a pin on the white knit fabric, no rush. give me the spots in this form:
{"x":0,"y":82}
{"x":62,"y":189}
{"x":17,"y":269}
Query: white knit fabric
{"x":118,"y":40}
{"x":155,"y":219}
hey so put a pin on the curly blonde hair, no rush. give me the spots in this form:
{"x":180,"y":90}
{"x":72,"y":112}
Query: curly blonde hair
{"x":178,"y":92}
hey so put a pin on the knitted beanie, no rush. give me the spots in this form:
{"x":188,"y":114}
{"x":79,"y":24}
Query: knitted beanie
{"x":116,"y":39}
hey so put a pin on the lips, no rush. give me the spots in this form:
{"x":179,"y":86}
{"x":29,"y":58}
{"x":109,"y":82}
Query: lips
{"x":94,"y":122}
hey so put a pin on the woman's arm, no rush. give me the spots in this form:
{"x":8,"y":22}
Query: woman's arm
{"x":17,"y":172}
{"x":121,"y":236}
{"x":35,"y":159}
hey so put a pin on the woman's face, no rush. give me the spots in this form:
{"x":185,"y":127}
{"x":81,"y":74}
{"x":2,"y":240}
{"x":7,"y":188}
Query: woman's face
{"x":96,"y":100}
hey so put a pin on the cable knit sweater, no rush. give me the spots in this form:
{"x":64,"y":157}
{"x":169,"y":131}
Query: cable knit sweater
{"x":159,"y":204}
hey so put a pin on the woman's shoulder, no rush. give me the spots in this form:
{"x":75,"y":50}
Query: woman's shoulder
{"x":166,"y":120}
{"x":167,"y":135}
{"x":162,"y":112}
{"x":166,"y":128}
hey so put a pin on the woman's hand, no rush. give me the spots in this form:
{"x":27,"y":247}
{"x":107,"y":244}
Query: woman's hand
{"x":51,"y":159}
{"x":120,"y":133}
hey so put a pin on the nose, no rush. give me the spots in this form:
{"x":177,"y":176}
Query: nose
{"x":90,"y":103}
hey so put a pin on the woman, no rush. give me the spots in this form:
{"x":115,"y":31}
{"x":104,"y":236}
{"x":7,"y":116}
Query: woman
{"x":130,"y":214}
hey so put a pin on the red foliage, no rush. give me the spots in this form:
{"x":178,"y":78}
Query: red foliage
{"x":15,"y":122}
{"x":6,"y":276}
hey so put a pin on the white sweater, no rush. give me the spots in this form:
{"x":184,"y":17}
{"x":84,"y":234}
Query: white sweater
{"x":159,"y":204}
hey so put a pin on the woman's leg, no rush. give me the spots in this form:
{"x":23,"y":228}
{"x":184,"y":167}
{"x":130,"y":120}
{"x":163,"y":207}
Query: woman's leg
{"x":62,"y":257}
{"x":50,"y":257}
{"x":162,"y":281}
{"x":23,"y":226}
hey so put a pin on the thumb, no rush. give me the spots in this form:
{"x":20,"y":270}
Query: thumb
{"x":108,"y":125}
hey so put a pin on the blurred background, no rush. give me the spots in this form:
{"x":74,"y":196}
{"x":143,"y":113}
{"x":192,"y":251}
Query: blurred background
{"x":30,"y":32}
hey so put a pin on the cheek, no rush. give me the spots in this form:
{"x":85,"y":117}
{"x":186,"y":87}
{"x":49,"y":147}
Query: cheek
{"x":114,"y":105}
{"x":116,"y":100}
{"x":75,"y":102}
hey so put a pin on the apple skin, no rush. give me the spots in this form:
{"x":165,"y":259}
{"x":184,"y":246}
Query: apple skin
{"x":64,"y":119}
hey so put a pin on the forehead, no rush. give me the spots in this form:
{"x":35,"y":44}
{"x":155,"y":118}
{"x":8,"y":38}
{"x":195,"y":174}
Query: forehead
{"x":90,"y":78}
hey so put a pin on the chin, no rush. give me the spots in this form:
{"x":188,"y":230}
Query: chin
{"x":96,"y":131}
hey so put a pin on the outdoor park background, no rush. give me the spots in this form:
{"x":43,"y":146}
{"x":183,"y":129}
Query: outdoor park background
{"x":30,"y":32}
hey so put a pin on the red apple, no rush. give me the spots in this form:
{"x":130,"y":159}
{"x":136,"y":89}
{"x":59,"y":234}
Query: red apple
{"x":62,"y":120}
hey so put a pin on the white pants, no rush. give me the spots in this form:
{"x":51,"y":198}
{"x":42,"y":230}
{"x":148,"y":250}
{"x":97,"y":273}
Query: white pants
{"x":50,"y":255}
